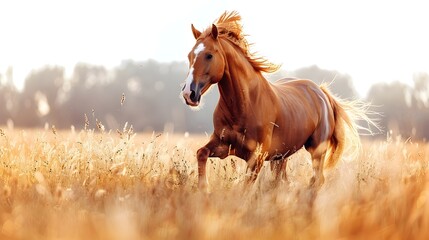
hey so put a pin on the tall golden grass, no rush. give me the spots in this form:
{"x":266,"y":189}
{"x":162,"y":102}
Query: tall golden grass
{"x":120,"y":185}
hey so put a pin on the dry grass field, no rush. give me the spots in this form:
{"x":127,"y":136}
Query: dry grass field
{"x":121,"y":185}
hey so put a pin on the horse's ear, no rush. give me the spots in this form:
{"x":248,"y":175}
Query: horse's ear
{"x":196,"y":33}
{"x":214,"y":31}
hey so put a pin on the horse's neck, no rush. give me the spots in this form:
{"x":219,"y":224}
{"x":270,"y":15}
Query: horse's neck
{"x":239,"y":85}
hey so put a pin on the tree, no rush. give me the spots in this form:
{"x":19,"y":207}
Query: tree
{"x":8,"y":96}
{"x":395,"y":103}
{"x":340,"y":84}
{"x":421,"y":95}
{"x":83,"y":94}
{"x":38,"y":101}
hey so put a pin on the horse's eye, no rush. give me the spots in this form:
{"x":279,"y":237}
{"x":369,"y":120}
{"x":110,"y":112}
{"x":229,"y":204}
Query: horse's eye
{"x":209,"y":56}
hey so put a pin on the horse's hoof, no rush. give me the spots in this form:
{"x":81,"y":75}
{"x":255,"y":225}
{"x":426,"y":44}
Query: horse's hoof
{"x":203,"y":187}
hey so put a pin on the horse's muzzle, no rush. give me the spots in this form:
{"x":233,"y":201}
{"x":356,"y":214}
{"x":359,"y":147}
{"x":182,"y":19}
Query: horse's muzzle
{"x":193,"y":97}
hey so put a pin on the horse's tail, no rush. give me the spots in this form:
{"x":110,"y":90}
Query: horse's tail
{"x":346,"y":115}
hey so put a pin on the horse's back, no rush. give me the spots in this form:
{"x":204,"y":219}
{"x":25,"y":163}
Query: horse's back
{"x":299,"y":94}
{"x":294,"y":87}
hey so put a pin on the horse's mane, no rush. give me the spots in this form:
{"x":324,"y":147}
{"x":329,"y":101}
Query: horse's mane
{"x":230,"y":28}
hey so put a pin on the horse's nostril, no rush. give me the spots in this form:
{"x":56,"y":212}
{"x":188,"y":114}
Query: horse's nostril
{"x":192,"y":96}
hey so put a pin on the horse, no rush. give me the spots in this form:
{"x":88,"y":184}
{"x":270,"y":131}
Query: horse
{"x":257,"y":120}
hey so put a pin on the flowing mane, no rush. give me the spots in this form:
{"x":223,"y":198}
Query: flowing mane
{"x":230,"y":28}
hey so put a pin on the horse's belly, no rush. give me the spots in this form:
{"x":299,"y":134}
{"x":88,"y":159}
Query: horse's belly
{"x":285,"y":144}
{"x":278,"y":152}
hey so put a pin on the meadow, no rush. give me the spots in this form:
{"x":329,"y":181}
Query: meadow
{"x":94,"y":184}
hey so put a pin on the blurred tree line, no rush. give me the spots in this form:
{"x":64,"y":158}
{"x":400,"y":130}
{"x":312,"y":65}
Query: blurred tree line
{"x":146,"y":95}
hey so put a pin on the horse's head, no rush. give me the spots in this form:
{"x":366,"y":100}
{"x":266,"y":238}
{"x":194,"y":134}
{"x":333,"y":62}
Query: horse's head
{"x":206,"y":66}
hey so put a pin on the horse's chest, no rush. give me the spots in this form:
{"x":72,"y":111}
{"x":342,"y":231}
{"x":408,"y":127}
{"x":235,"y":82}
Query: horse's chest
{"x":241,"y":140}
{"x":233,"y":136}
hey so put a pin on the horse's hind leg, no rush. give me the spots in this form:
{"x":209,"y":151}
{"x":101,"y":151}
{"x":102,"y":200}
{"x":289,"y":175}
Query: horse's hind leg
{"x":318,"y":179}
{"x":318,"y":154}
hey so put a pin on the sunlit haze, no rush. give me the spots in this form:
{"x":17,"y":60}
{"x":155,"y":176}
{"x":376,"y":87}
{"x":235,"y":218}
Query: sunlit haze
{"x":372,"y":41}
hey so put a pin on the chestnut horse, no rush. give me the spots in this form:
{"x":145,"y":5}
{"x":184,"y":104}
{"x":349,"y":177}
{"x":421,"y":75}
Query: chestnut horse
{"x":257,"y":120}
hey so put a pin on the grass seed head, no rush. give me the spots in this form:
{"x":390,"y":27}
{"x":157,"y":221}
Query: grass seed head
{"x":122,"y":99}
{"x":86,"y":122}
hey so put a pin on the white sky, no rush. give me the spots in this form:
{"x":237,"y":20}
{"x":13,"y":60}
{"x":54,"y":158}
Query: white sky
{"x":371,"y":41}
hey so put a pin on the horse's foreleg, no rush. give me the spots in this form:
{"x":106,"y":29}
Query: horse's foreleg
{"x":202,"y":156}
{"x":254,"y":164}
{"x":279,"y":168}
{"x":213,"y":148}
{"x":258,"y":156}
